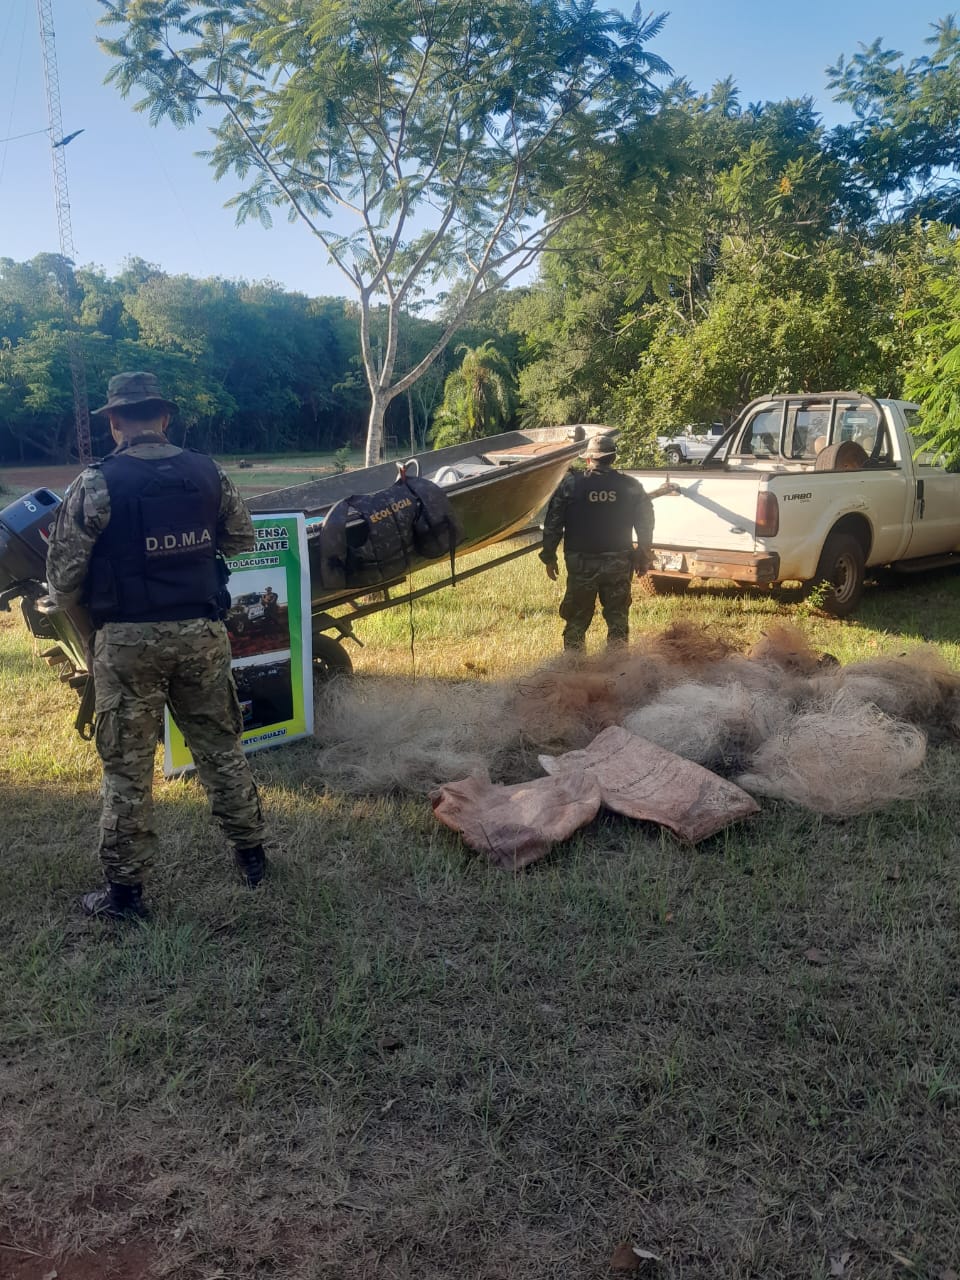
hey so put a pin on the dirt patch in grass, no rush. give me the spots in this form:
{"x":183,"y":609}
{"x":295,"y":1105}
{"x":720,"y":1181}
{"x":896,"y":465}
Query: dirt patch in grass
{"x":130,"y":1260}
{"x":257,"y":475}
{"x":258,"y":478}
{"x":18,"y":480}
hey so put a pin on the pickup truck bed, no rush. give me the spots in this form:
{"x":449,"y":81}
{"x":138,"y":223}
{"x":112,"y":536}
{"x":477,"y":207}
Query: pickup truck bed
{"x":805,"y":489}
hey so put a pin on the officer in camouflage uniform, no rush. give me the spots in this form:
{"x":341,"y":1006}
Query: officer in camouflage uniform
{"x":595,"y":514}
{"x":137,"y":542}
{"x":270,"y":601}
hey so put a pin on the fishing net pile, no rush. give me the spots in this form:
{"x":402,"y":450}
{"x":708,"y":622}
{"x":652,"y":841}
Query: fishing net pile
{"x":779,"y":720}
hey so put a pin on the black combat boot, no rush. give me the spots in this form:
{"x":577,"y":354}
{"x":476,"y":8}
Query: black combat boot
{"x":115,"y":902}
{"x":252,"y":865}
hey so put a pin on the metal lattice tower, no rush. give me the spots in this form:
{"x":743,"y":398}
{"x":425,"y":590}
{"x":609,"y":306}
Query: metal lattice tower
{"x":51,"y":76}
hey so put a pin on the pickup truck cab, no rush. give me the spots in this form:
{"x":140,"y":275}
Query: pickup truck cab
{"x":809,"y":488}
{"x":690,"y":445}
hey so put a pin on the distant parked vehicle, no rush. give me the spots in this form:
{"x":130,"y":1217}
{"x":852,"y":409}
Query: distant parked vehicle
{"x":691,"y":445}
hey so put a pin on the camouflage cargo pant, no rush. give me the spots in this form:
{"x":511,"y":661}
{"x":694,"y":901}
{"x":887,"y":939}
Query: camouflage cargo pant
{"x":607,"y":575}
{"x":137,"y":668}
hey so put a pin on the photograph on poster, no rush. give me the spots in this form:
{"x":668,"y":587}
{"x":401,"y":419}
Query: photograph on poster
{"x":268,"y":624}
{"x":258,"y":621}
{"x":265,"y":690}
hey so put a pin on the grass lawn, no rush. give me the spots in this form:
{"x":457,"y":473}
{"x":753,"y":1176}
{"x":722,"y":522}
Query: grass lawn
{"x":262,"y":472}
{"x":397,"y":1062}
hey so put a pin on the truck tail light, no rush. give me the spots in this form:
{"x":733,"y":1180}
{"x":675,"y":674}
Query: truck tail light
{"x":768,"y":514}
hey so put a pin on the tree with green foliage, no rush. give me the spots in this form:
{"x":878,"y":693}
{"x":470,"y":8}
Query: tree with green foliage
{"x":478,"y":398}
{"x":933,"y":355}
{"x":722,"y":185}
{"x":36,"y":394}
{"x":826,"y":320}
{"x":903,"y":147}
{"x":445,"y":139}
{"x":579,"y":338}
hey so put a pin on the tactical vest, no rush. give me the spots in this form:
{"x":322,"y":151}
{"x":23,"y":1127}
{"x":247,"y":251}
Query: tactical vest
{"x":599,"y":515}
{"x":156,"y":561}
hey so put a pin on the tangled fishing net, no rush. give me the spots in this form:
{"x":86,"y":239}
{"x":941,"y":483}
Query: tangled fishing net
{"x":841,"y":761}
{"x":390,"y":735}
{"x":780,"y":720}
{"x":718,"y":726}
{"x":918,"y":687}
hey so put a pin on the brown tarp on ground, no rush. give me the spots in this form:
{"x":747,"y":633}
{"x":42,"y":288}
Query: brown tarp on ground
{"x":517,"y":825}
{"x":641,"y":780}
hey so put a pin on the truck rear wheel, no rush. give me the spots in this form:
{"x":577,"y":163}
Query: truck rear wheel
{"x":673,"y":455}
{"x":842,"y":567}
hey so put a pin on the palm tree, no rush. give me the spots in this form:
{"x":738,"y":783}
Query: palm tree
{"x":478,"y":397}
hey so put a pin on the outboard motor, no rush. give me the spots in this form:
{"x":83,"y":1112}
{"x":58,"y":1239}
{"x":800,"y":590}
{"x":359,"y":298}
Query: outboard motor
{"x":24,"y":533}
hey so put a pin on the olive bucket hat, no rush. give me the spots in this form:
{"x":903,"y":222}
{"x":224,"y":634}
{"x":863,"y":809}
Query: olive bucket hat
{"x":125,"y":389}
{"x":601,"y":446}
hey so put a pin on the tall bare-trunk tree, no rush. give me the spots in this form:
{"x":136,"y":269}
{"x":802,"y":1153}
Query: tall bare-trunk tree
{"x":420,"y":141}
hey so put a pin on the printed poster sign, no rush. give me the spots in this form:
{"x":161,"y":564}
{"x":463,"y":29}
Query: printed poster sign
{"x":270,"y":638}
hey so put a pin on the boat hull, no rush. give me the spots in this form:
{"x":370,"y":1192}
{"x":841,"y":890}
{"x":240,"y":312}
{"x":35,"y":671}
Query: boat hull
{"x":491,"y":502}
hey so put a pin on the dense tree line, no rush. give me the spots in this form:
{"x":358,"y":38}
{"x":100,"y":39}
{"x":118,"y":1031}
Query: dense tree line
{"x":253,"y":367}
{"x":725,"y":251}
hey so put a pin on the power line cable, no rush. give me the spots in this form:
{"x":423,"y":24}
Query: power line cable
{"x":6,"y":30}
{"x":15,"y":137}
{"x":188,"y":219}
{"x":16,"y":85}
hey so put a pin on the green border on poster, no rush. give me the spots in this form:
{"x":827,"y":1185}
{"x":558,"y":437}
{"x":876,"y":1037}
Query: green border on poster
{"x":280,"y":553}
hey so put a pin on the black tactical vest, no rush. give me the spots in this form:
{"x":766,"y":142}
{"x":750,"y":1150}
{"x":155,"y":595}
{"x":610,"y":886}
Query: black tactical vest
{"x":156,"y":561}
{"x":599,"y":515}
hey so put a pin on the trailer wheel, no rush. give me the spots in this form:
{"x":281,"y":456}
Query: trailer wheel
{"x":330,"y":658}
{"x":842,"y":568}
{"x":673,"y":455}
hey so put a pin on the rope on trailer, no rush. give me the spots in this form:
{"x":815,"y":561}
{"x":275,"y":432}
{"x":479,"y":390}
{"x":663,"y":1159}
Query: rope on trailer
{"x":413,"y":634}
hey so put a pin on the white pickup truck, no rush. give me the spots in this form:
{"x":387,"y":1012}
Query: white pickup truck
{"x":809,"y":488}
{"x":690,"y":446}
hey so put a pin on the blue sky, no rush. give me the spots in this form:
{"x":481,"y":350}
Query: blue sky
{"x":140,"y":191}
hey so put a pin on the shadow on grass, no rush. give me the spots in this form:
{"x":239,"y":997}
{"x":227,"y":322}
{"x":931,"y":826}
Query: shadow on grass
{"x":394,"y":1060}
{"x":921,"y":605}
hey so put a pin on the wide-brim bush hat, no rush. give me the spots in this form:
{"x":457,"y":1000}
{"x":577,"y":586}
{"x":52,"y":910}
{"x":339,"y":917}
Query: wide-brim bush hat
{"x":125,"y":389}
{"x":601,"y":446}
